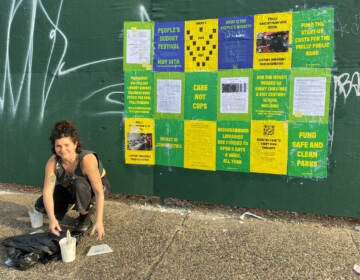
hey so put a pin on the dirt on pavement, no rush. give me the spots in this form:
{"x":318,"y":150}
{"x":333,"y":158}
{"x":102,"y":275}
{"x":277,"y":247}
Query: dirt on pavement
{"x":189,"y":240}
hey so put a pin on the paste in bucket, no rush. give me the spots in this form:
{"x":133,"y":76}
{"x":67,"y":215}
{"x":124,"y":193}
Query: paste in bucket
{"x":68,"y":247}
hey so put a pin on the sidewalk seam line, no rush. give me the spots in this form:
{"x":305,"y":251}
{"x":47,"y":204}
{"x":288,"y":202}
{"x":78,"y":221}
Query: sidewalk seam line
{"x":161,"y":256}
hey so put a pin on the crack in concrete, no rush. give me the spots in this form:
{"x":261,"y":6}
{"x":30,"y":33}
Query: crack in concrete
{"x":166,"y":249}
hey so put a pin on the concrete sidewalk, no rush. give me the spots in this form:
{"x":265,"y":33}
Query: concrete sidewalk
{"x":155,"y":242}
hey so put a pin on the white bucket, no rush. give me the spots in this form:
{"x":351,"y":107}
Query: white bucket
{"x":36,"y":218}
{"x":68,"y":249}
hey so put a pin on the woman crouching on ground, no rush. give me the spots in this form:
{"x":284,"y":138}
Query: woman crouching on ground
{"x":73,"y":178}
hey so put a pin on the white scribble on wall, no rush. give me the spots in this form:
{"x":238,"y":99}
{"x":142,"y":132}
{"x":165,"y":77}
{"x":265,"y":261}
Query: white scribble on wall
{"x":348,"y":26}
{"x":143,"y":14}
{"x":345,"y":84}
{"x":16,"y":90}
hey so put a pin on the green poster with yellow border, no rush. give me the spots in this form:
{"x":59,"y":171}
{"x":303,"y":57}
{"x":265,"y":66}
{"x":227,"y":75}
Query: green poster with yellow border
{"x":139,"y":97}
{"x":308,"y":150}
{"x":200,"y":98}
{"x":310,"y":95}
{"x":233,"y":146}
{"x":270,"y":95}
{"x":313,"y":33}
{"x":169,"y":149}
{"x":138,"y":46}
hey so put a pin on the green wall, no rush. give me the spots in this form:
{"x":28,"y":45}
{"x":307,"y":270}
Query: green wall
{"x":63,"y":59}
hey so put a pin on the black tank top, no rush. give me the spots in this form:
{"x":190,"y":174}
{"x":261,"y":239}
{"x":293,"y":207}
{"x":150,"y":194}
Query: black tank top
{"x":64,"y":178}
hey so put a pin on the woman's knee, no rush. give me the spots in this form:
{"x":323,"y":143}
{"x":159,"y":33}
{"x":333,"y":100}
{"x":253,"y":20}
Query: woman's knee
{"x":39,"y":205}
{"x":81,"y":185}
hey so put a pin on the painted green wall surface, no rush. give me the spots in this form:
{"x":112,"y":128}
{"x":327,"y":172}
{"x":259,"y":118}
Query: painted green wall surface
{"x":64,"y":59}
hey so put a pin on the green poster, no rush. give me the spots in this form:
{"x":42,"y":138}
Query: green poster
{"x":200,"y":97}
{"x":310,"y":95}
{"x":234,"y":94}
{"x":308,"y":150}
{"x":313,"y":38}
{"x":270,"y":95}
{"x":233,"y":146}
{"x":139,"y":97}
{"x":169,"y":136}
{"x":169,"y":95}
{"x":138,"y":45}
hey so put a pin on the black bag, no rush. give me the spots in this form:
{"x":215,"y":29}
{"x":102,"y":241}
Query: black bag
{"x":24,"y":251}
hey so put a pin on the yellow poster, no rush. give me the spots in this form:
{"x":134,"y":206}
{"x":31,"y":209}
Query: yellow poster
{"x":201,"y":45}
{"x":200,"y":145}
{"x":269,"y":147}
{"x":139,"y":137}
{"x":272,"y":41}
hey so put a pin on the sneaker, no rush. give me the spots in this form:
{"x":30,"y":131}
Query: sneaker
{"x":85,"y":221}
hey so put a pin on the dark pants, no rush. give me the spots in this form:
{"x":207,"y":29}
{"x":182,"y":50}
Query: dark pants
{"x":79,"y":193}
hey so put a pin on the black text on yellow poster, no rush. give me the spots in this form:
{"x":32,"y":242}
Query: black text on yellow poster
{"x":272,"y":38}
{"x":201,"y":45}
{"x":139,"y":136}
{"x":269,"y":147}
{"x":200,"y":145}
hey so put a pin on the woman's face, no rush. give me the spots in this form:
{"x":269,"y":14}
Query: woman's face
{"x":65,"y":148}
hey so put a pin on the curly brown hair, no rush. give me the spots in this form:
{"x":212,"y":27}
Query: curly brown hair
{"x":62,"y":129}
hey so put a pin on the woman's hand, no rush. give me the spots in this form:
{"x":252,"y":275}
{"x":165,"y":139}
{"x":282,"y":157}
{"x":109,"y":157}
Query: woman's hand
{"x":99,"y":228}
{"x":55,"y":227}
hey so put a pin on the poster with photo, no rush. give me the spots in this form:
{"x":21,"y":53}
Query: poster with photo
{"x":308,"y":150}
{"x":269,"y":147}
{"x":139,"y":141}
{"x":138,"y":46}
{"x":169,"y":46}
{"x":272,"y":41}
{"x":236,"y":42}
{"x":233,"y":146}
{"x":313,"y":38}
{"x":169,"y":150}
{"x":200,"y":145}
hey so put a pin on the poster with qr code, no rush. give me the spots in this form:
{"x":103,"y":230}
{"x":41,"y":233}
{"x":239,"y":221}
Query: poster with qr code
{"x":269,"y":147}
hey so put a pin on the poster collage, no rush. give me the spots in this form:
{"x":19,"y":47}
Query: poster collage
{"x":241,"y":93}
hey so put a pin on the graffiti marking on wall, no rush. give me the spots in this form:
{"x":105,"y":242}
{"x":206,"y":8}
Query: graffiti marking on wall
{"x":352,"y":27}
{"x":347,"y":83}
{"x":16,"y":91}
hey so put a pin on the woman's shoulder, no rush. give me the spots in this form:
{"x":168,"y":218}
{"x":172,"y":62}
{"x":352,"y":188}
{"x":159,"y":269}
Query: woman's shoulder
{"x":51,"y":163}
{"x":85,"y":153}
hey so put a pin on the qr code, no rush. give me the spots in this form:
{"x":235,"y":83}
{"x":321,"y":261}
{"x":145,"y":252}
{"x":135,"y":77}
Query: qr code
{"x":269,"y":129}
